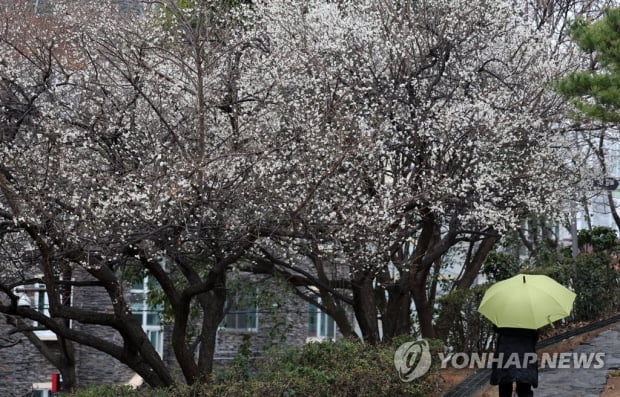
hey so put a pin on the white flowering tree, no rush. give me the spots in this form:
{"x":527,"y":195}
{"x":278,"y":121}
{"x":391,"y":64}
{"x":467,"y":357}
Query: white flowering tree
{"x":346,"y":147}
{"x":124,"y":152}
{"x":440,"y":129}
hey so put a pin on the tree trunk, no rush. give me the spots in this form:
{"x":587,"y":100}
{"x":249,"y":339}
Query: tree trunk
{"x":472,"y":268}
{"x":397,"y":317}
{"x":339,"y":314}
{"x":613,"y":209}
{"x":66,"y":365}
{"x":212,"y":304}
{"x":64,"y":361}
{"x":179,"y":332}
{"x":69,"y":379}
{"x":365,"y":308}
{"x":423,"y":307}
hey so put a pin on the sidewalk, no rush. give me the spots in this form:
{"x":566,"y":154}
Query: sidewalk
{"x":574,"y":382}
{"x":582,"y":382}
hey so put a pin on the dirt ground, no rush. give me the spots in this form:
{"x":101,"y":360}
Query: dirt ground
{"x":612,"y":388}
{"x":450,"y":377}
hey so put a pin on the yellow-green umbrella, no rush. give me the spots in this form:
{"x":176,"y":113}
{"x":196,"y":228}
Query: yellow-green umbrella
{"x":526,"y":301}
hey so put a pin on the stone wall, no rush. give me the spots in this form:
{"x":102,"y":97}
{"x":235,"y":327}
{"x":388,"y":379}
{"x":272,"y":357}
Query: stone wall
{"x":93,"y":366}
{"x":21,"y":365}
{"x":283,"y":320}
{"x":284,"y":324}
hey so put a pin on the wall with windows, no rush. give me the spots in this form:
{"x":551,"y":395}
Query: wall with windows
{"x":263,"y":321}
{"x":282,"y":319}
{"x":23,"y":369}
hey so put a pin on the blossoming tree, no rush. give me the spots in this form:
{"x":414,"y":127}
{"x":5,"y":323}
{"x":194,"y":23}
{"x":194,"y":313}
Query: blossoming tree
{"x":440,"y":129}
{"x":346,"y":147}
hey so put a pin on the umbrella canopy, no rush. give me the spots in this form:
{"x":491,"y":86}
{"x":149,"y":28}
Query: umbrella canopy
{"x":526,"y":301}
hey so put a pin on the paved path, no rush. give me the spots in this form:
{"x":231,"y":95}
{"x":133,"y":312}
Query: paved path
{"x":582,"y":382}
{"x":555,"y":382}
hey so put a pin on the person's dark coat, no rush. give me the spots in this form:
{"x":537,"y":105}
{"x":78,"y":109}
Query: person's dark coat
{"x":518,"y":341}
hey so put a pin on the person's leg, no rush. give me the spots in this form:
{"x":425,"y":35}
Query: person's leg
{"x":524,"y":390}
{"x":505,"y":389}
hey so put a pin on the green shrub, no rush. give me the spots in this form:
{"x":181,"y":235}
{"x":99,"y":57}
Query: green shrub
{"x":593,"y":279}
{"x":500,"y":266}
{"x":342,"y":368}
{"x":562,"y":272}
{"x":596,"y":284}
{"x":460,"y":324}
{"x":105,"y":391}
{"x":126,"y":391}
{"x":600,"y":238}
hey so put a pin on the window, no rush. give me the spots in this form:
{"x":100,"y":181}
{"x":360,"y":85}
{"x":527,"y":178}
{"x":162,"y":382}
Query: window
{"x":41,"y":300}
{"x":40,"y":390}
{"x":320,"y":325}
{"x":148,"y":315}
{"x":241,"y":312}
{"x":35,"y":296}
{"x":42,"y":305}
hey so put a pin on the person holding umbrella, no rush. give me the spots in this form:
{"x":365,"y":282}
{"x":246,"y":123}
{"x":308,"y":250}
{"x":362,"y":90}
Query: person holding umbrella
{"x":518,"y":307}
{"x":516,"y":352}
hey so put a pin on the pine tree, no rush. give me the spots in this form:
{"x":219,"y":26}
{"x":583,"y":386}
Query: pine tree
{"x":596,"y":92}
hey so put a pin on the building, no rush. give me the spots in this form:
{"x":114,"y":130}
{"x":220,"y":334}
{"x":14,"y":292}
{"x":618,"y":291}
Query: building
{"x":252,"y":319}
